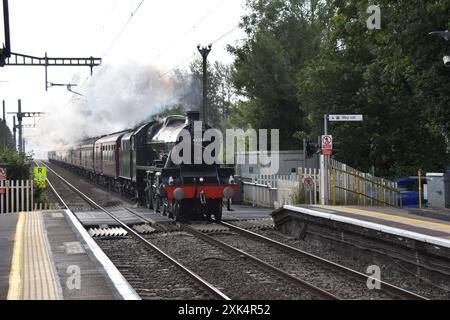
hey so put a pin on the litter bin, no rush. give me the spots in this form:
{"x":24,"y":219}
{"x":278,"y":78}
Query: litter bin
{"x":447,"y":188}
{"x":436,"y":190}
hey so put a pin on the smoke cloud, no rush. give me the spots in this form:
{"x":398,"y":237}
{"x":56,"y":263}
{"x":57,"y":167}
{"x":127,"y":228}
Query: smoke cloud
{"x":114,"y":99}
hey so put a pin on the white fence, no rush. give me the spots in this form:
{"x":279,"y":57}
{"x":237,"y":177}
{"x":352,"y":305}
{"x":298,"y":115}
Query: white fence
{"x":270,"y":190}
{"x":309,"y":185}
{"x":259,"y":195}
{"x":287,"y":193}
{"x":16,"y":195}
{"x":340,"y":185}
{"x":270,"y":180}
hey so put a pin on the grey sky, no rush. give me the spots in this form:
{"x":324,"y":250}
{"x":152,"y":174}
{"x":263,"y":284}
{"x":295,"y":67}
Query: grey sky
{"x":161,"y":33}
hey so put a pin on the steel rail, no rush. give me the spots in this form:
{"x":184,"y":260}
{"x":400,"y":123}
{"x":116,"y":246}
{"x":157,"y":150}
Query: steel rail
{"x":267,"y":267}
{"x":203,"y":283}
{"x":389,"y":288}
{"x":261,"y":264}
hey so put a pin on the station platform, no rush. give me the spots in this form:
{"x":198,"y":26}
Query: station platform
{"x":419,"y":224}
{"x":48,"y":255}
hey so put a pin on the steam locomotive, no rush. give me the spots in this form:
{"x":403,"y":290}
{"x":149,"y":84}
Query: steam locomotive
{"x":138,"y":164}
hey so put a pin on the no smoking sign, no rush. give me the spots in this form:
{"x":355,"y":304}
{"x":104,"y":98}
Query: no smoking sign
{"x":327,"y":145}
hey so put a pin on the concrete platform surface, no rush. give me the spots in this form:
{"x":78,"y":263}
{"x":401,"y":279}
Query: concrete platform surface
{"x":387,"y":219}
{"x":49,"y":256}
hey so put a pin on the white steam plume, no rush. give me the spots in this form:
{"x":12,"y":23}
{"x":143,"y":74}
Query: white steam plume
{"x":115,"y":98}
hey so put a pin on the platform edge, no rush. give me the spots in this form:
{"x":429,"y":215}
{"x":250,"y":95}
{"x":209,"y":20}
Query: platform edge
{"x":371,"y":225}
{"x":120,"y":283}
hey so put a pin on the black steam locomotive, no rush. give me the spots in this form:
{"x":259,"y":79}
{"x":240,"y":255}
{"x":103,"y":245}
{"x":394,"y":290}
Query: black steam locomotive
{"x":138,"y":164}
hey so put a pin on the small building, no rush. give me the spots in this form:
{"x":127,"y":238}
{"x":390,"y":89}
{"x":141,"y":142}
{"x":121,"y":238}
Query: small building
{"x":289,"y":162}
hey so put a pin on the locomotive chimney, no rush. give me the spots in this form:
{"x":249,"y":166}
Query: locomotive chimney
{"x":193,"y":116}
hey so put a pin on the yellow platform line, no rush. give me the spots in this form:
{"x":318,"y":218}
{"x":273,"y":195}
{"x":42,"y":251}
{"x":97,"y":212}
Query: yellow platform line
{"x":39,"y":279}
{"x":15,"y":274}
{"x":31,"y":276}
{"x":391,"y":217}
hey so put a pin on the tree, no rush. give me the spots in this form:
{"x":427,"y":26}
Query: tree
{"x":394,"y":76}
{"x":9,"y":137}
{"x":18,"y":164}
{"x":220,"y":91}
{"x":281,"y":38}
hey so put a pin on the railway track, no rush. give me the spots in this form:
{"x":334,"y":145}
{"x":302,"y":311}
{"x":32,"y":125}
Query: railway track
{"x":153,"y":273}
{"x":324,"y":278}
{"x":303,"y":264}
{"x":278,"y":284}
{"x":273,"y":263}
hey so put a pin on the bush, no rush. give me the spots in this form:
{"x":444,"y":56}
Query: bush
{"x":18,"y":164}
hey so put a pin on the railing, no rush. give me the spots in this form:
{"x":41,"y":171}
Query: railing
{"x":271,"y":180}
{"x":340,"y":185}
{"x":16,"y":195}
{"x":259,"y":195}
{"x":350,"y":186}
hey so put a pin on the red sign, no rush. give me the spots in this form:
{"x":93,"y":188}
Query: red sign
{"x":2,"y":190}
{"x":327,"y":145}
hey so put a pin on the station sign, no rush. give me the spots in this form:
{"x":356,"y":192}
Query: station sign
{"x":327,"y":145}
{"x":345,"y":117}
{"x":2,"y":178}
{"x":40,"y":176}
{"x":308,"y":182}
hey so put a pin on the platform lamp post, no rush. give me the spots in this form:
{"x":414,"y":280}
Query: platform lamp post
{"x":204,"y":51}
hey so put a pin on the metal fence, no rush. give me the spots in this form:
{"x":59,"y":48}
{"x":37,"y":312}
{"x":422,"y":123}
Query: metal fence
{"x":16,"y":195}
{"x":348,"y":186}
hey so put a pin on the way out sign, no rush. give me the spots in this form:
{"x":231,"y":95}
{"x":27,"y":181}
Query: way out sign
{"x":327,"y":145}
{"x":345,"y":117}
{"x":40,"y":176}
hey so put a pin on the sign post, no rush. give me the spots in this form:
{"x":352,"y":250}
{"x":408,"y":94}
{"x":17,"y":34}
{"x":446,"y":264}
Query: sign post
{"x":327,"y":150}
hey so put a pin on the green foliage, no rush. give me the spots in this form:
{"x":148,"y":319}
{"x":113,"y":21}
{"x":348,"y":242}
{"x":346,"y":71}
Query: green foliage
{"x":9,"y":137}
{"x":394,"y":76}
{"x":303,"y":59}
{"x":220,"y":91}
{"x":18,"y":164}
{"x":281,"y":38}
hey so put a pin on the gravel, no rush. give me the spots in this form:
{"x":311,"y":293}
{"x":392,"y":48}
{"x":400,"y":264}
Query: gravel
{"x":152,"y":277}
{"x":231,"y":274}
{"x":341,"y":285}
{"x":391,"y":273}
